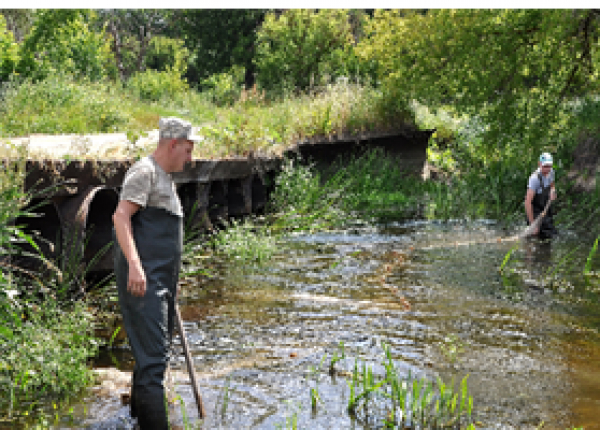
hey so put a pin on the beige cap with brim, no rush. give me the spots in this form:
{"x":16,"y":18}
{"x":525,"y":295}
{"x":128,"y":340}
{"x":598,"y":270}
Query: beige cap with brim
{"x":177,"y":128}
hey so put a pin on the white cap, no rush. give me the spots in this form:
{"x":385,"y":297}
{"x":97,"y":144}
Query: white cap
{"x":546,"y":159}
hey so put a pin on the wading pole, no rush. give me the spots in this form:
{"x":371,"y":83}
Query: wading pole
{"x":190,"y":364}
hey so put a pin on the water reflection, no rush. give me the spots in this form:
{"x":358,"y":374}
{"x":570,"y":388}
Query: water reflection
{"x":537,"y":256}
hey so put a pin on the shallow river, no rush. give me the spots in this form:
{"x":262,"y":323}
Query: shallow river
{"x":258,"y":336}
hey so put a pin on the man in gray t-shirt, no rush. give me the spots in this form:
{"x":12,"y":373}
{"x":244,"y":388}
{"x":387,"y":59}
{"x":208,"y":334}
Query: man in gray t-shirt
{"x":540,"y":189}
{"x":148,"y":229}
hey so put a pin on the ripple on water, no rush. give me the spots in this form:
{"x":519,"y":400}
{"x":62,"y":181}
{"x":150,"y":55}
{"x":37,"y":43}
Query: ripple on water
{"x":259,"y":338}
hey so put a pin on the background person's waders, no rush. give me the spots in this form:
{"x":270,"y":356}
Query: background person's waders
{"x":149,"y":320}
{"x":547,"y":228}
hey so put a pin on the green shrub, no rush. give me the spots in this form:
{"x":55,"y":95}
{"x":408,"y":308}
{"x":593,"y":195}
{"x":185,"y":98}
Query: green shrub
{"x":9,"y":51}
{"x":225,"y":88}
{"x":44,"y":351}
{"x":59,"y":104}
{"x":244,"y":242}
{"x":255,"y":124}
{"x":152,"y":85}
{"x":302,"y":47}
{"x":61,"y":42}
{"x":165,"y":54}
{"x":354,"y":189}
{"x":44,"y":344}
{"x":12,"y":199}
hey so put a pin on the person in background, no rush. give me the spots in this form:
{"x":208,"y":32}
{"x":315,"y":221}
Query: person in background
{"x":148,"y":227}
{"x":540,"y":188}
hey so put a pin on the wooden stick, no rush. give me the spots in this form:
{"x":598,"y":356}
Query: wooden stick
{"x":190,"y":364}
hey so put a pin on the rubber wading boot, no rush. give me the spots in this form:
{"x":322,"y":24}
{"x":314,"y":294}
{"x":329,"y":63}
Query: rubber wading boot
{"x":151,"y":408}
{"x":132,"y":406}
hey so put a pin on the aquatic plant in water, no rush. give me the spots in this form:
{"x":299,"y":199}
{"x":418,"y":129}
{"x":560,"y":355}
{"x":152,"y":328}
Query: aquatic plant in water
{"x":407,"y":402}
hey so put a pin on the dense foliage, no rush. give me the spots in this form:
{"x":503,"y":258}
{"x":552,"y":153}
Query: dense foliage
{"x":512,"y":72}
{"x":131,"y":34}
{"x":217,"y":40}
{"x":508,"y":80}
{"x":514,"y":69}
{"x":9,"y":52}
{"x":302,"y":48}
{"x":61,"y":105}
{"x":62,"y":42}
{"x":45,"y":339}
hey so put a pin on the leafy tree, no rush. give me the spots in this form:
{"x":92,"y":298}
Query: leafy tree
{"x":301,"y":47}
{"x":515,"y":69}
{"x":152,"y":85}
{"x":18,"y":21}
{"x":217,"y":39}
{"x":166,"y":54}
{"x":9,"y":52}
{"x":132,"y":33}
{"x":61,"y":41}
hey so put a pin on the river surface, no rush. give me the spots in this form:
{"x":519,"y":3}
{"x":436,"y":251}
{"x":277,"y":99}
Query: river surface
{"x":528,"y":340}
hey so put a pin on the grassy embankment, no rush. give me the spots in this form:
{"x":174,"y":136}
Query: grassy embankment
{"x":252,"y":123}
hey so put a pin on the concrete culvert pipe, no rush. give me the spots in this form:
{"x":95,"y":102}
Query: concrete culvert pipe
{"x":99,"y":229}
{"x":87,"y":229}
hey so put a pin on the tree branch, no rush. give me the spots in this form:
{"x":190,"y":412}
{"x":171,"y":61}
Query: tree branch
{"x":583,"y":30}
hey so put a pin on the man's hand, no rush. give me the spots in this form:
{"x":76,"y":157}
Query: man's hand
{"x":552,"y":194}
{"x":136,"y":280}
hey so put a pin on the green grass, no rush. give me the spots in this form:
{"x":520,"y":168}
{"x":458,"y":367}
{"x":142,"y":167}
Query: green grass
{"x":43,"y":355}
{"x":45,"y":338}
{"x":60,"y":105}
{"x":243,"y":241}
{"x":253,"y":123}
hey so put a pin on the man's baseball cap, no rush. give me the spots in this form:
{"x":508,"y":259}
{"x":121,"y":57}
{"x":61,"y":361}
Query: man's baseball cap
{"x":546,"y":159}
{"x":177,"y":128}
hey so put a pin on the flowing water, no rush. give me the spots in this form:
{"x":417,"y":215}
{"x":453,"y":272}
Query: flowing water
{"x":258,"y":336}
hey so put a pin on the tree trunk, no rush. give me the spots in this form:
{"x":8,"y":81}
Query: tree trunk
{"x":117,"y":46}
{"x":144,"y":38}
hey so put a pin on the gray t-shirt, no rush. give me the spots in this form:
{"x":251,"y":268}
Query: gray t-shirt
{"x":534,"y":180}
{"x":147,"y":184}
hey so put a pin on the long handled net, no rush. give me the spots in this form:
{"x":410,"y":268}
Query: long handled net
{"x":529,"y":231}
{"x":535,"y":225}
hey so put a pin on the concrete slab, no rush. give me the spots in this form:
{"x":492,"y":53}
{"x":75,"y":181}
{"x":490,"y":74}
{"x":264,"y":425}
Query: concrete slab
{"x":78,"y":146}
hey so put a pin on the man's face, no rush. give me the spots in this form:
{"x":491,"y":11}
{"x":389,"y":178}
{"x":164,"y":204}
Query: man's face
{"x":181,"y":153}
{"x":546,"y":169}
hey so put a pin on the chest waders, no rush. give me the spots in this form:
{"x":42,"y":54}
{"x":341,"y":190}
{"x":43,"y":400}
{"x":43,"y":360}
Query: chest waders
{"x":149,"y":320}
{"x":539,"y":202}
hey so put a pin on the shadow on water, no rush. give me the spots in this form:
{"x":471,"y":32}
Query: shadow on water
{"x":530,"y":345}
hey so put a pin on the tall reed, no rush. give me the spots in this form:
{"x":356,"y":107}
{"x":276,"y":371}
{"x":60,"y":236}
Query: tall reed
{"x":410,"y":402}
{"x":45,"y":339}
